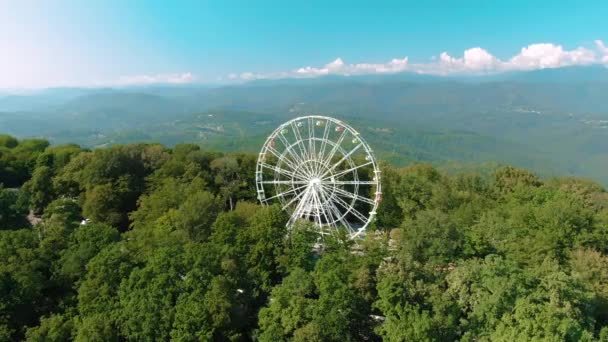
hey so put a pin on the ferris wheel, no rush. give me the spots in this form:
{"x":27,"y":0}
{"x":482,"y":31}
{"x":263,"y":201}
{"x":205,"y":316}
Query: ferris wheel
{"x":321,"y":170}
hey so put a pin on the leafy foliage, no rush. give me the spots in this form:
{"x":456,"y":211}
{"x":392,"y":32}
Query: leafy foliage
{"x":142,"y":242}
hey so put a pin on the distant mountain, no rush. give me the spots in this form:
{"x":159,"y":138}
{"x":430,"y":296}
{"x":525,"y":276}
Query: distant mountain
{"x":396,"y":98}
{"x":121,"y":109}
{"x":574,"y":74}
{"x":553,"y":120}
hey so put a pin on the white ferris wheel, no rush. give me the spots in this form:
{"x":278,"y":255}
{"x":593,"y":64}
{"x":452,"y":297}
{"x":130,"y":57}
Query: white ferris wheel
{"x":320,"y":169}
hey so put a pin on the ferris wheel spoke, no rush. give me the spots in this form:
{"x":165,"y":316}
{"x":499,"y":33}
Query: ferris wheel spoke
{"x":300,"y":142}
{"x":311,"y":142}
{"x":298,"y":159}
{"x":340,"y":216}
{"x":347,"y":156}
{"x":288,"y":148}
{"x":330,"y":205}
{"x":282,"y":171}
{"x":284,"y":140}
{"x":282,"y":194}
{"x":323,"y":146}
{"x":318,"y":207}
{"x":305,"y":165}
{"x":327,"y":160}
{"x":354,"y":196}
{"x":307,"y":204}
{"x":327,"y":209}
{"x":351,"y":209}
{"x":298,"y":196}
{"x":329,"y":219}
{"x":336,"y":175}
{"x":349,"y":182}
{"x":288,"y":182}
{"x":297,"y":213}
{"x":282,"y":157}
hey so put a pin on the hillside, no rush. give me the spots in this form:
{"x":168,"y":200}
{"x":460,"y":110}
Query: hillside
{"x":552,"y":121}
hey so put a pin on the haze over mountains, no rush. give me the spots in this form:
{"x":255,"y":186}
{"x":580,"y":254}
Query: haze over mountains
{"x":554,"y":121}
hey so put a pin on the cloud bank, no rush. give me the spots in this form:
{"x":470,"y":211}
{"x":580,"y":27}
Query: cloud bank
{"x":178,"y":78}
{"x":603,"y":50}
{"x":474,"y":61}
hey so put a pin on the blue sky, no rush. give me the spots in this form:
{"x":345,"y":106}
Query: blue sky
{"x":87,"y":43}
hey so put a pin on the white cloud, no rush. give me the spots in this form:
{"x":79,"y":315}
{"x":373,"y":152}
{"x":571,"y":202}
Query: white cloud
{"x":603,"y":49}
{"x":532,"y":57}
{"x":178,"y":78}
{"x":247,"y":76}
{"x":540,"y":56}
{"x":473,"y":61}
{"x":253,"y":76}
{"x":394,"y":65}
{"x":336,"y":67}
{"x":479,"y":59}
{"x":310,"y":71}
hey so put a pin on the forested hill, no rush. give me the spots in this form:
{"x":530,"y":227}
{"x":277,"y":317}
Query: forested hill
{"x":551,"y":121}
{"x":503,"y":257}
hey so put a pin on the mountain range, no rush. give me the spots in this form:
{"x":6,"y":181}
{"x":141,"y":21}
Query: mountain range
{"x":554,"y":121}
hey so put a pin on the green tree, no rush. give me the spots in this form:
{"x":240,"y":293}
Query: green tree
{"x":557,"y":309}
{"x":98,"y":301}
{"x":291,"y":307}
{"x":508,"y":178}
{"x":226,"y":178}
{"x":390,"y":214}
{"x":591,"y":269}
{"x":485,"y":290}
{"x":110,"y":203}
{"x":299,"y":247}
{"x":86,"y":242}
{"x":12,"y":210}
{"x":168,"y":195}
{"x":266,"y":238}
{"x":432,"y":237}
{"x":96,"y":328}
{"x":53,"y":328}
{"x":22,"y":281}
{"x":417,"y":188}
{"x":206,"y":315}
{"x":8,"y":141}
{"x":40,"y":189}
{"x":411,"y":299}
{"x":63,"y":211}
{"x":159,"y":300}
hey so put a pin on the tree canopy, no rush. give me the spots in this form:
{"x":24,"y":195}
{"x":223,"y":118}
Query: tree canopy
{"x":145,"y":242}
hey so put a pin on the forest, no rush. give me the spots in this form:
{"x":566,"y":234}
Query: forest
{"x":142,"y":242}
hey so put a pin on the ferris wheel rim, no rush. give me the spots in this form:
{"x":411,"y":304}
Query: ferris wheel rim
{"x":307,"y":184}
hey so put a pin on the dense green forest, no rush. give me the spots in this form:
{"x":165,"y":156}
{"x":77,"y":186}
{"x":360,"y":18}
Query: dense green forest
{"x":138,"y":242}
